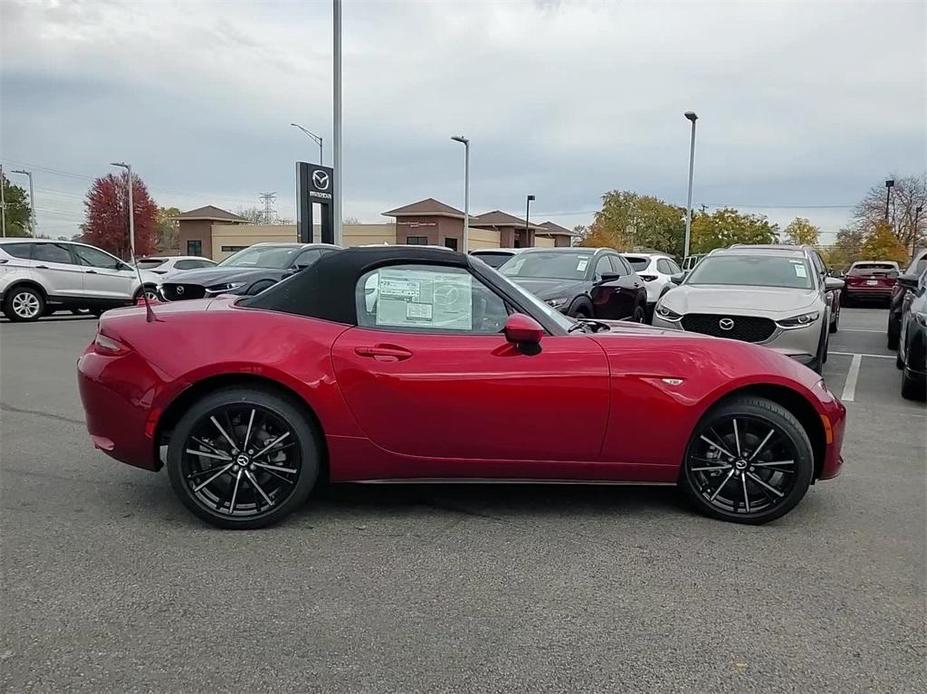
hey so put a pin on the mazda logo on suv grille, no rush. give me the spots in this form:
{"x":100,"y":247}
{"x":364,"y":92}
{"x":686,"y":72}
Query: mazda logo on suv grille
{"x":179,"y":290}
{"x":726,"y":324}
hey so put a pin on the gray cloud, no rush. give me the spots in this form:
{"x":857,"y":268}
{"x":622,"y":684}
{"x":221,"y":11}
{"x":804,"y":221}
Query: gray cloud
{"x":804,"y":104}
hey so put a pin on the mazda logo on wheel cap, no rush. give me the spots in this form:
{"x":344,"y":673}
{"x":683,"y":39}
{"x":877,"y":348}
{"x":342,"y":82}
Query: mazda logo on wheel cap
{"x":726,"y":324}
{"x":320,"y":179}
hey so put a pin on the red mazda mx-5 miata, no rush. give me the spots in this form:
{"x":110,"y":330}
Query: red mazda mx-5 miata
{"x":405,"y":364}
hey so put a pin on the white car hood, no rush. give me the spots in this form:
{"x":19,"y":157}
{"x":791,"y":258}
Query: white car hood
{"x":775,"y":302}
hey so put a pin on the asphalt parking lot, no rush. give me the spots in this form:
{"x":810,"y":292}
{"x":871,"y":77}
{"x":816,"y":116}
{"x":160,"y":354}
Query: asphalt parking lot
{"x":109,"y":584}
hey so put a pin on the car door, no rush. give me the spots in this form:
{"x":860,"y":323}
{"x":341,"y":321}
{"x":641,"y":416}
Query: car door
{"x":105,"y":276}
{"x":427,"y":372}
{"x":616,"y":298}
{"x":58,"y":270}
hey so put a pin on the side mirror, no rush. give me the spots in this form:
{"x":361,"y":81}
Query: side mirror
{"x":832,"y":284}
{"x":907,"y":281}
{"x":610,"y":277}
{"x":678,"y":277}
{"x":523,"y":331}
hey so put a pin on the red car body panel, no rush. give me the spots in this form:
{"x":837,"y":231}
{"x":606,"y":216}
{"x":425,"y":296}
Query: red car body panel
{"x":614,"y":406}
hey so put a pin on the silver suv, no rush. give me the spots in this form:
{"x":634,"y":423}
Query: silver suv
{"x":40,"y":276}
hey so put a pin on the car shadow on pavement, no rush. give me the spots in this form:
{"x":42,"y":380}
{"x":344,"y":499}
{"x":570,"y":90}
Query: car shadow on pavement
{"x":52,"y":319}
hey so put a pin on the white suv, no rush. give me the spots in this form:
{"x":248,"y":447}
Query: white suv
{"x":655,"y":269}
{"x":39,"y":276}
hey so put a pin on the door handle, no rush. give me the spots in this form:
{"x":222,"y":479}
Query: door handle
{"x":385,"y":353}
{"x":41,"y":267}
{"x":91,"y":272}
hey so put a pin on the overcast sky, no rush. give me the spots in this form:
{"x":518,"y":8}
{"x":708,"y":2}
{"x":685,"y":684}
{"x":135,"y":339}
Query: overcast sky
{"x":799,"y":103}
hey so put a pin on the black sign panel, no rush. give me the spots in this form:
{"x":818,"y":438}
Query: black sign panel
{"x":316,"y":185}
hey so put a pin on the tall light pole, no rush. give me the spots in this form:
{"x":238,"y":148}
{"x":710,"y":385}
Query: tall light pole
{"x":312,"y":136}
{"x":31,"y":199}
{"x":917,"y":216}
{"x":466,"y":230}
{"x":527,"y":214}
{"x":2,"y":203}
{"x":336,"y":107}
{"x":889,"y":184}
{"x":128,"y":168}
{"x":690,"y":115}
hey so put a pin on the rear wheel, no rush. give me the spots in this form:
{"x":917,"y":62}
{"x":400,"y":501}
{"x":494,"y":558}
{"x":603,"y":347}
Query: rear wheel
{"x":749,"y":461}
{"x":640,"y":314}
{"x":894,"y":332}
{"x":835,"y":323}
{"x":912,"y":388}
{"x":23,"y":304}
{"x":243,"y":458}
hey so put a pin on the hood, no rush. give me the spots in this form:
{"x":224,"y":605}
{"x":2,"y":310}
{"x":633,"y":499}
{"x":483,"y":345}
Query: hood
{"x":549,"y":287}
{"x":209,"y":276}
{"x":775,"y":302}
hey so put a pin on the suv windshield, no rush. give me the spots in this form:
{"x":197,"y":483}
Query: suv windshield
{"x":870,"y":268}
{"x":752,"y":271}
{"x":554,"y":265}
{"x":276,"y":257}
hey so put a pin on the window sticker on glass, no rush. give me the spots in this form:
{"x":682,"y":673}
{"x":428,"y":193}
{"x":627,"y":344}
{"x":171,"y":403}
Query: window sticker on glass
{"x":800,"y":271}
{"x":423,"y":298}
{"x":582,"y":263}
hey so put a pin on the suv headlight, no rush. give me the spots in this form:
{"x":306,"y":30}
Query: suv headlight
{"x":559,"y":302}
{"x":800,"y":321}
{"x":667,"y":313}
{"x":220,"y":288}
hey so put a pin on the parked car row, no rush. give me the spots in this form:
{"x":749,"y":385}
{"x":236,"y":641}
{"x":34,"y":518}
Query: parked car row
{"x":907,"y":327}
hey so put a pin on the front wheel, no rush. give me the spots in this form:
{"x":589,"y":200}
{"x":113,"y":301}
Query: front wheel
{"x":749,"y":461}
{"x":23,"y":305}
{"x":243,"y":458}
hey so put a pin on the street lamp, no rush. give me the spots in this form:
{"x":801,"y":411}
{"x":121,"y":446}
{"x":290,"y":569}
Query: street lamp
{"x":527,"y":213}
{"x":312,"y":136}
{"x":128,"y":168}
{"x":889,"y":184}
{"x":336,"y":118}
{"x":31,"y":199}
{"x":917,"y":216}
{"x":690,"y":115}
{"x":466,"y":230}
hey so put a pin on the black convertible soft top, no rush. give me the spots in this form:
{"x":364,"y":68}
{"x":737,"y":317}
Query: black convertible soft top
{"x":327,"y":288}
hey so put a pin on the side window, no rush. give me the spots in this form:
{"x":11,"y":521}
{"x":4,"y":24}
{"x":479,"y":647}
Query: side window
{"x":52,"y":253}
{"x":663,"y":266}
{"x":818,"y":264}
{"x":19,"y":250}
{"x":674,"y":268}
{"x":602,"y":266}
{"x":97,"y":258}
{"x":419,"y":298}
{"x":194,"y":247}
{"x":307,"y":258}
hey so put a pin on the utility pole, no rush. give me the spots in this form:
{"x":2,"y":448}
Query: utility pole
{"x":128,"y":168}
{"x":690,"y":115}
{"x":336,"y":108}
{"x":2,"y":203}
{"x":31,"y":200}
{"x":269,"y":212}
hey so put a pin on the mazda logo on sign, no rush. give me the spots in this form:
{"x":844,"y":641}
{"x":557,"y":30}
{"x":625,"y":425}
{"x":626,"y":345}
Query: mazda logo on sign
{"x":320,"y":180}
{"x":726,"y":324}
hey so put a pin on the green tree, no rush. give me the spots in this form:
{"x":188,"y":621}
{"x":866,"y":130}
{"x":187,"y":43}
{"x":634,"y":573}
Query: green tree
{"x":882,"y":244}
{"x":166,"y":228}
{"x":727,"y":226}
{"x":16,"y":209}
{"x":802,"y":232}
{"x":846,"y":249}
{"x":628,"y":220}
{"x":908,"y":193}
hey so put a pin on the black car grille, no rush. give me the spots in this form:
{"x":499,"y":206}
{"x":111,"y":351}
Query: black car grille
{"x":746,"y":328}
{"x":179,"y":292}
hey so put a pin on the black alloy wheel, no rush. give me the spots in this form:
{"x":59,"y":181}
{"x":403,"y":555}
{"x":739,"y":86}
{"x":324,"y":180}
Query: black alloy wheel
{"x":242,"y":458}
{"x":749,"y":461}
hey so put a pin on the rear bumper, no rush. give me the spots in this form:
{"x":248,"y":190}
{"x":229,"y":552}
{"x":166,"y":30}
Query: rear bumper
{"x":874,"y":293}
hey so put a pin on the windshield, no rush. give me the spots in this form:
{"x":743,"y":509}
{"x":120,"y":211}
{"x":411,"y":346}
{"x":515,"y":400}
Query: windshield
{"x":637,"y":262}
{"x":494,"y":259}
{"x":918,"y":266}
{"x":149,"y":263}
{"x":752,"y":271}
{"x":276,"y":257}
{"x":870,"y":268}
{"x":563,"y":321}
{"x":554,"y":265}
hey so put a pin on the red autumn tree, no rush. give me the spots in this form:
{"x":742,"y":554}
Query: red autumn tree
{"x":107,"y":225}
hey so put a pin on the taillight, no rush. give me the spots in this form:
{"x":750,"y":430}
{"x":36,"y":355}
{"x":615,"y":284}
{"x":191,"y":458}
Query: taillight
{"x":648,"y":278}
{"x":103,"y":344}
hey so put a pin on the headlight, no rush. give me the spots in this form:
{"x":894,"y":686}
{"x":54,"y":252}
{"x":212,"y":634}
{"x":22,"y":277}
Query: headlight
{"x":921,"y":318}
{"x":799,"y":321}
{"x":220,"y":288}
{"x":559,"y":302}
{"x":667,"y":314}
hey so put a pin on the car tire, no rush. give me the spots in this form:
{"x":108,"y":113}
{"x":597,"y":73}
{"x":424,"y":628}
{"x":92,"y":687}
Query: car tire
{"x":899,"y":362}
{"x":639,"y":315}
{"x":232,"y":488}
{"x":835,"y":323}
{"x":820,"y":357}
{"x":760,"y":482}
{"x":579,"y":311}
{"x":894,"y":332}
{"x":912,"y":388}
{"x":23,"y":304}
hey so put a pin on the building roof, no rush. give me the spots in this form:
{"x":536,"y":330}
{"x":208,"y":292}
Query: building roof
{"x":210,"y":213}
{"x":498,"y":218}
{"x":558,"y":230}
{"x":425,"y":208}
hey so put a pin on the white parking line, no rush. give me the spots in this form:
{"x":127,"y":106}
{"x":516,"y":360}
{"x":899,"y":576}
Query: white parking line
{"x":860,"y":330}
{"x":862,"y":354}
{"x":849,"y":388}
